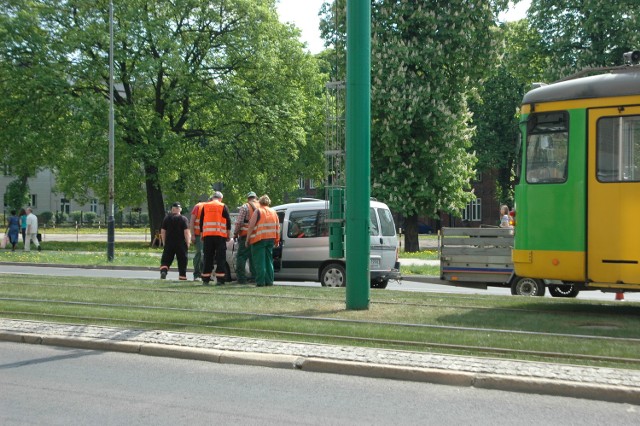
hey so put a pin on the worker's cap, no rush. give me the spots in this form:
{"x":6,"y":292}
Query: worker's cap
{"x":251,"y":194}
{"x":217,"y":194}
{"x":176,"y":204}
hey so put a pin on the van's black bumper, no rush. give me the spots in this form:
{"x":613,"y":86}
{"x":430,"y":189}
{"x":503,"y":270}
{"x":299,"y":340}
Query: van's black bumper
{"x":393,"y":274}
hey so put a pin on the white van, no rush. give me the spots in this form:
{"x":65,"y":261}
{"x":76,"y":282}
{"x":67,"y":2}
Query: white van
{"x":304,"y":253}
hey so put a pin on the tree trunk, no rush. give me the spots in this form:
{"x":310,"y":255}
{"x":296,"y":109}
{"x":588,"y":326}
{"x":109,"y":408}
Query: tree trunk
{"x":155,"y":202}
{"x":411,"y":243}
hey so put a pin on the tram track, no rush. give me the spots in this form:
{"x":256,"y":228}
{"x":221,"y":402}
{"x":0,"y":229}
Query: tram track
{"x":320,"y":319}
{"x":577,"y":308}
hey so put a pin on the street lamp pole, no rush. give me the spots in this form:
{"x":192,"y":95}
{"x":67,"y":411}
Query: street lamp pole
{"x":111,"y":220}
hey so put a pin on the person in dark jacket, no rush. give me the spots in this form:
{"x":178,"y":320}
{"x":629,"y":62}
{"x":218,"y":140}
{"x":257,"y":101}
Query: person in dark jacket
{"x":176,"y":237}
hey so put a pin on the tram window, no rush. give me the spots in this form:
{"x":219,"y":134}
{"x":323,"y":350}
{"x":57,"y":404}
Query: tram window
{"x":547,"y":148}
{"x":618,"y":149}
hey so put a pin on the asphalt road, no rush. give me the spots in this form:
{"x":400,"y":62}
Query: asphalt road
{"x":51,"y":385}
{"x":404,"y":285}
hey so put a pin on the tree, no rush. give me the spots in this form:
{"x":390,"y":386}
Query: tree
{"x":17,"y":195}
{"x":496,"y":107}
{"x":206,"y":91}
{"x":584,"y":33}
{"x":427,"y":56}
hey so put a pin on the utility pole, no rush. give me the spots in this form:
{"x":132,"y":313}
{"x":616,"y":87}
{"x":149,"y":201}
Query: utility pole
{"x":358,"y":147}
{"x":111,"y":230}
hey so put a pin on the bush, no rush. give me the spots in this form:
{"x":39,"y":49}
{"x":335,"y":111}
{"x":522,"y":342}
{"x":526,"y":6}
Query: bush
{"x":61,"y":218}
{"x":76,"y":216}
{"x":90,"y":218}
{"x":144,"y":218}
{"x":45,"y":218}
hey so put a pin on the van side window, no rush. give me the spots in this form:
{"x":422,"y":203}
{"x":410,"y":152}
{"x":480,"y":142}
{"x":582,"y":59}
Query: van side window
{"x":373,"y":223}
{"x":386,"y":223}
{"x":308,"y":224}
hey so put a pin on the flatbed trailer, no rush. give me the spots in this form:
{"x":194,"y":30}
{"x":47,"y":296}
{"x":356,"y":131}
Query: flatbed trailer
{"x":481,"y":258}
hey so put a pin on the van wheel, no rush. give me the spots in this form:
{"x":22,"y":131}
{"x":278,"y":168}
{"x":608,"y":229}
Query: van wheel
{"x":523,"y":286}
{"x":379,"y":283}
{"x":333,"y":275}
{"x":563,"y":290}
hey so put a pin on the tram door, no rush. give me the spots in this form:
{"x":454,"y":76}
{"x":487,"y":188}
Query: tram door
{"x":613,"y":215}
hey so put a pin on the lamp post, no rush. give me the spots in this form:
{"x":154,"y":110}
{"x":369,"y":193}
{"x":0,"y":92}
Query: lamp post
{"x":110,"y":220}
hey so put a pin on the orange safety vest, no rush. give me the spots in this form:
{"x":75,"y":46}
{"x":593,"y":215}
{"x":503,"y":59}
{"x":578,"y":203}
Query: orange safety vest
{"x":244,"y":229}
{"x":267,"y":226}
{"x":213,"y":223}
{"x":196,"y":221}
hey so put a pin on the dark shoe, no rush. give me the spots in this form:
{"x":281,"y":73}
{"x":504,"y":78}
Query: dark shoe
{"x":259,"y":285}
{"x":39,"y":248}
{"x":206,"y":282}
{"x":269,"y":284}
{"x":242,"y":281}
{"x":163,"y":275}
{"x":220,"y":282}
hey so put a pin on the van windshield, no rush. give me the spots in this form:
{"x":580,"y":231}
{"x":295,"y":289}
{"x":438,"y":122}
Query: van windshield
{"x":386,"y":223}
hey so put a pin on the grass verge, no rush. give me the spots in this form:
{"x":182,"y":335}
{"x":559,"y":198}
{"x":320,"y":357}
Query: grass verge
{"x":570,"y":331}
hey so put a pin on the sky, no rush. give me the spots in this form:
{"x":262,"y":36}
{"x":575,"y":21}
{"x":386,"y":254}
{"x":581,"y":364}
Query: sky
{"x":304,"y":15}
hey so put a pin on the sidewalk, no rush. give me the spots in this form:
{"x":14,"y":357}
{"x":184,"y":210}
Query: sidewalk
{"x":604,"y":384}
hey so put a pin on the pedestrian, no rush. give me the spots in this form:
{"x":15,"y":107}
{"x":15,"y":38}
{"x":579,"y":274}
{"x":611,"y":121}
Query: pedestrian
{"x":23,"y":225}
{"x":176,"y":238}
{"x":240,"y":234}
{"x":505,"y":219}
{"x":13,"y":229}
{"x":215,"y":227}
{"x":196,"y":239}
{"x":31,"y":231}
{"x":264,"y":234}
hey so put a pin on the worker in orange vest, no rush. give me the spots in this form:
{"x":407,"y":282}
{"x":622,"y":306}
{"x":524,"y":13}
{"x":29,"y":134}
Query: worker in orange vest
{"x":215,"y":224}
{"x":264,"y":234}
{"x":196,"y":240}
{"x":240,"y":233}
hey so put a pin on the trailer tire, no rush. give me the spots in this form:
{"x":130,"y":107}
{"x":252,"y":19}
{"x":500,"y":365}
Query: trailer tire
{"x":569,"y":290}
{"x":523,"y":286}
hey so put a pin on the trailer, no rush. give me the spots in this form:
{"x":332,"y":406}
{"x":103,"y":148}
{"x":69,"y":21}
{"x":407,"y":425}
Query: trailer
{"x":481,"y":258}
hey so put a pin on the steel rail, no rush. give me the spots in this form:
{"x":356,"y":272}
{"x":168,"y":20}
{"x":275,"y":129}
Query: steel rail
{"x":324,"y":319}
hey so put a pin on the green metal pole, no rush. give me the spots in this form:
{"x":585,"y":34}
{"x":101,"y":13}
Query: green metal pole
{"x":358,"y":133}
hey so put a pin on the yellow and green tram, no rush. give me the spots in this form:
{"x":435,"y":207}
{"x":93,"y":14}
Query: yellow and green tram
{"x":578,"y":191}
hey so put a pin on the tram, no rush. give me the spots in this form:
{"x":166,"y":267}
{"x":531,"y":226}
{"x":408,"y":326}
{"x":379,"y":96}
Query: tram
{"x":578,"y":189}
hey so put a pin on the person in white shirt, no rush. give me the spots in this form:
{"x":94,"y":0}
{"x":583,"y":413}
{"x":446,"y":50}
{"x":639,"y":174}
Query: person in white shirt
{"x":32,"y":231}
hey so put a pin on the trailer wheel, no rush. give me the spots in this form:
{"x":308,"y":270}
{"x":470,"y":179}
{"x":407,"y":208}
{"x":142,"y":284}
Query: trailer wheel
{"x":569,"y":290}
{"x":522,"y":286}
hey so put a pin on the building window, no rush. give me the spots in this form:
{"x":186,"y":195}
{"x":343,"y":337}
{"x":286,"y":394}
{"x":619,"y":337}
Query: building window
{"x":473,"y":211}
{"x":65,"y":206}
{"x":34,"y":201}
{"x":94,"y":205}
{"x":312,"y":184}
{"x":300,"y":183}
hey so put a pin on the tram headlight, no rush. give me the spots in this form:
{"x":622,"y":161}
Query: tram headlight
{"x":632,"y":57}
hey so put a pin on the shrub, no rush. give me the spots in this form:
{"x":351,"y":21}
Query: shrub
{"x":45,"y":218}
{"x":144,"y":218}
{"x":90,"y":218}
{"x":61,"y":218}
{"x":76,"y":216}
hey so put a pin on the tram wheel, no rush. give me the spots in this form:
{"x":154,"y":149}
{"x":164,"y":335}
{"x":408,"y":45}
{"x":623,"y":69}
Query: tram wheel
{"x":563,"y":290}
{"x":523,"y":286}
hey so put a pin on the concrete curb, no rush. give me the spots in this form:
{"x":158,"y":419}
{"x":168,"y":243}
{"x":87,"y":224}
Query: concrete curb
{"x":608,"y":393}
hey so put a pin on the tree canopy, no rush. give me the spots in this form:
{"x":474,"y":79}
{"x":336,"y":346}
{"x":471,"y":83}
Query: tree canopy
{"x":206,"y":92}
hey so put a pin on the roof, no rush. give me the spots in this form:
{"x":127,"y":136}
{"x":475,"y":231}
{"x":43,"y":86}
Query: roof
{"x":624,"y":82}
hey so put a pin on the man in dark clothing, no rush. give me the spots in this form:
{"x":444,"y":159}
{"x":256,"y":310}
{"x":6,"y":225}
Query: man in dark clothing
{"x":176,"y":237}
{"x":215,"y":226}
